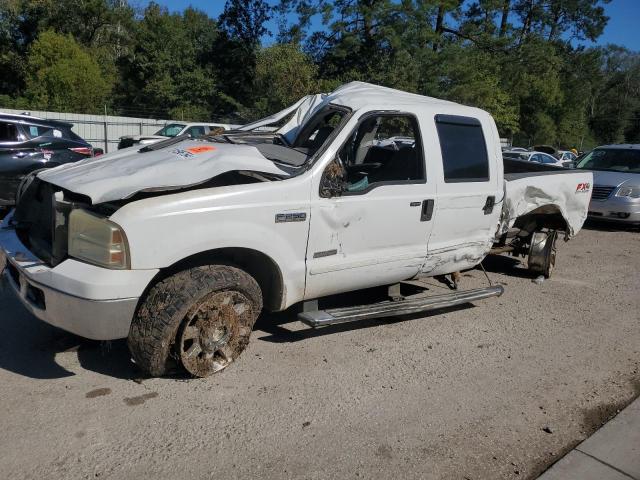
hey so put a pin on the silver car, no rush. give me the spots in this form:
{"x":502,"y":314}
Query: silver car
{"x":616,"y":178}
{"x":533,"y":156}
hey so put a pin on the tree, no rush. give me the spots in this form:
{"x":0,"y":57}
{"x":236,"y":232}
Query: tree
{"x":242,"y":25}
{"x":284,"y":74}
{"x":617,"y":101}
{"x":473,"y":78}
{"x":63,"y":76}
{"x":169,"y":67}
{"x":244,"y":20}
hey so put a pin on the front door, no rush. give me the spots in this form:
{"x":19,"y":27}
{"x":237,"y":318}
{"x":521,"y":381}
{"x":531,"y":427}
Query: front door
{"x":372,"y":216}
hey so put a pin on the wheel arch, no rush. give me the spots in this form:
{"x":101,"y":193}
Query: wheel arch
{"x":257,"y":264}
{"x":547,"y":216}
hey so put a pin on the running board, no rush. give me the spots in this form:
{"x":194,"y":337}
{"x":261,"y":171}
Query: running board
{"x":412,"y":304}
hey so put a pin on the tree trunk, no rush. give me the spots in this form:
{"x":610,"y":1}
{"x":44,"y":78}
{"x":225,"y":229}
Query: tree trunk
{"x":556,"y":15}
{"x":506,"y":5}
{"x":439,"y":26}
{"x":526,"y":23}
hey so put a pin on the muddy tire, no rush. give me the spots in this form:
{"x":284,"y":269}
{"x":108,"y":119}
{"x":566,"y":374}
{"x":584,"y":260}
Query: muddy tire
{"x":200,"y":319}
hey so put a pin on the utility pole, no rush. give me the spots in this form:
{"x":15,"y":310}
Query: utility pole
{"x":106,"y":131}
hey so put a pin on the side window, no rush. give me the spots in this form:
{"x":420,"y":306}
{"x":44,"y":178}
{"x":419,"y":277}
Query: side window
{"x":382,"y":149}
{"x":464,"y":151}
{"x":548,"y":159}
{"x":8,"y":132}
{"x":38,"y":131}
{"x":195,"y":132}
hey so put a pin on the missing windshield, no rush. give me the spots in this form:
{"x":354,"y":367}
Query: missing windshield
{"x":313,"y":136}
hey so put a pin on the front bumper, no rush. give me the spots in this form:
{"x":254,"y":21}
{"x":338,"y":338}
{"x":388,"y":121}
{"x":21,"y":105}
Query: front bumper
{"x":616,"y":209}
{"x":83,"y":299}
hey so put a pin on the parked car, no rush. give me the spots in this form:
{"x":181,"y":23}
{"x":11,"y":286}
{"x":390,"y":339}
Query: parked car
{"x":567,"y":157}
{"x":514,"y":149}
{"x":171,"y":130}
{"x":180,"y":245}
{"x":616,"y":177}
{"x":29,"y":143}
{"x":538,"y":157}
{"x":548,"y":149}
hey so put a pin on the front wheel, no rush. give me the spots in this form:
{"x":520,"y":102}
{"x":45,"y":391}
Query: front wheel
{"x":199,"y":318}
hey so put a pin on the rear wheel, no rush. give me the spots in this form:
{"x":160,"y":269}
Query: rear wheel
{"x":542,"y":252}
{"x":200,"y":318}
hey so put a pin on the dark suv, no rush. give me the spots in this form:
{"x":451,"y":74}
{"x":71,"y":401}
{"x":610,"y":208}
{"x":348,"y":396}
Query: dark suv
{"x":30,"y":143}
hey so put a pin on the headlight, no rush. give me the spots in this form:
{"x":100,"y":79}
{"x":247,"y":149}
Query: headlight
{"x":96,"y":240}
{"x":633,"y":192}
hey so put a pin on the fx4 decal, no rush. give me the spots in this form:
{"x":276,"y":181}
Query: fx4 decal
{"x":583,"y":187}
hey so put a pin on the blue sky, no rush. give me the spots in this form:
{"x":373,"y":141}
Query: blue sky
{"x":622,"y":28}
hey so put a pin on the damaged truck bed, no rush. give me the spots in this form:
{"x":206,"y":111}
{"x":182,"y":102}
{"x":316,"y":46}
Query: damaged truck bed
{"x":178,"y":246}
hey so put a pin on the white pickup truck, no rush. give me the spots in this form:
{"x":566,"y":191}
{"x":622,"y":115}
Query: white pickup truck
{"x":180,"y":245}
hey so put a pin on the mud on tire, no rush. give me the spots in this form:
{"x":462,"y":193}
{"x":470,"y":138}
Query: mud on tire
{"x":199,"y":318}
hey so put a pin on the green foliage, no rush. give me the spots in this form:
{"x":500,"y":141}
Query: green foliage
{"x":518,"y":59}
{"x":168,"y":68}
{"x":64,"y":76}
{"x":283,"y":75}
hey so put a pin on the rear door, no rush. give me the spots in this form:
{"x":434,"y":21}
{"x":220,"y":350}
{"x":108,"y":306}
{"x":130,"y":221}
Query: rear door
{"x":470,"y":192}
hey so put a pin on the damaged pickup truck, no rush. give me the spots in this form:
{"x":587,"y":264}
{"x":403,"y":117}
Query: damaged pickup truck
{"x":178,"y":246}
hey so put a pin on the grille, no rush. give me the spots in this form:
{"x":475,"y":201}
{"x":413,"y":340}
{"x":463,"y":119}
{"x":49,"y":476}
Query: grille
{"x":601,"y":193}
{"x":34,"y":219}
{"x":41,"y":222}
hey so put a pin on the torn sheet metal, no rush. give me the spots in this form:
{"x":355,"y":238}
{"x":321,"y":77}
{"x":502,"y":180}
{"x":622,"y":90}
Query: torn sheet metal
{"x":354,"y":95}
{"x":124,"y":173}
{"x":455,"y":258}
{"x":567,"y":193}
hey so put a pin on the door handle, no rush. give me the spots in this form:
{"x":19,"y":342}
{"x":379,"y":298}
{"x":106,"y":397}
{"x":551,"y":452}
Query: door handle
{"x":489,"y":204}
{"x":427,"y":210}
{"x":21,"y":154}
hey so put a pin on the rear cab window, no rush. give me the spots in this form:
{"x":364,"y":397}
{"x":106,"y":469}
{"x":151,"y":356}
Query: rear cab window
{"x":463,"y":148}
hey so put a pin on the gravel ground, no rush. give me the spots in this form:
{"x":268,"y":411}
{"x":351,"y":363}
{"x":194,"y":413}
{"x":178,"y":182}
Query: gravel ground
{"x":499,"y":389}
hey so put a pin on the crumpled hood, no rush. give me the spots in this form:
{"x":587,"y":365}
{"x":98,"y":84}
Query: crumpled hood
{"x":121,"y":174}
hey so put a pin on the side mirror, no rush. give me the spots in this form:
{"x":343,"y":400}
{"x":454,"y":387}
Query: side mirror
{"x":333,"y":183}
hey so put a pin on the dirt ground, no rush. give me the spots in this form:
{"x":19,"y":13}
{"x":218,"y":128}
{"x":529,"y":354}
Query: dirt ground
{"x":498,"y":389}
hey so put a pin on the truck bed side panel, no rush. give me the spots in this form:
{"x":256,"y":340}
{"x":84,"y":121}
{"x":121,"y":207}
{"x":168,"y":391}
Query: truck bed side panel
{"x":564,"y":191}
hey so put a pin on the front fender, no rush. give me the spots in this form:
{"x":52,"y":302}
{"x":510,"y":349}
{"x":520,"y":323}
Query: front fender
{"x":163,"y":230}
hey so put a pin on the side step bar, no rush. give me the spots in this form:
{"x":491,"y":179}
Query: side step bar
{"x":413,"y":304}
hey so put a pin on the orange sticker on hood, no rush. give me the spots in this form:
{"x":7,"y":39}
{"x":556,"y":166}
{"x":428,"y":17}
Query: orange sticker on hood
{"x":202,"y":149}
